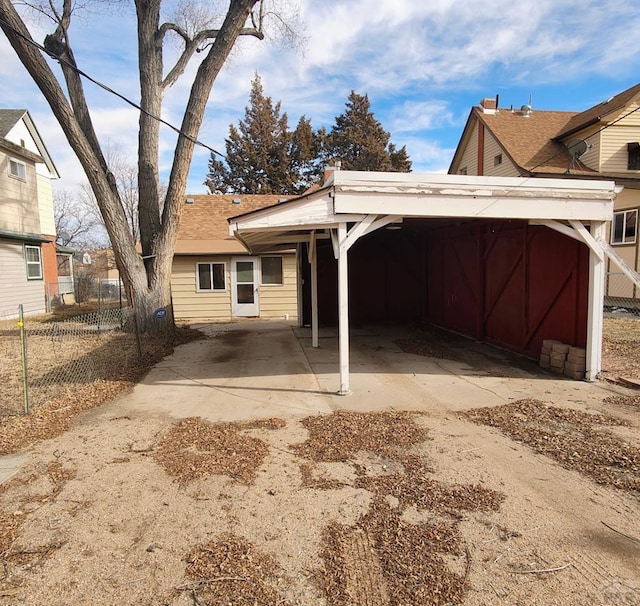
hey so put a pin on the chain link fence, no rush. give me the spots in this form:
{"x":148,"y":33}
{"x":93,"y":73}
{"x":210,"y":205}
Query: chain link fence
{"x":622,"y":295}
{"x":60,"y":356}
{"x":621,"y":329}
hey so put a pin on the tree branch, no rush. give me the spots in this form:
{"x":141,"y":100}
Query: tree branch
{"x":195,"y":44}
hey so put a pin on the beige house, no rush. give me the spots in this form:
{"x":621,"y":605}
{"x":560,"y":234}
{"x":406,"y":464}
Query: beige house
{"x":602,"y":142}
{"x":214,"y":277}
{"x":28,"y":263}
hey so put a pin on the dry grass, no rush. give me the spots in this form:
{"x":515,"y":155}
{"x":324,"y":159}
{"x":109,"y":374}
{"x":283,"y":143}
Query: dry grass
{"x":577,"y":440}
{"x":621,"y":348}
{"x":114,"y":354}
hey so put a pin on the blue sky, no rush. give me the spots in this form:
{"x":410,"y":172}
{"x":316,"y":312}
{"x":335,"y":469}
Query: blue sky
{"x":423,"y":65}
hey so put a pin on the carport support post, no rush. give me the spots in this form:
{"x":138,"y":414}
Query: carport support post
{"x":343,"y":309}
{"x":595,"y":308}
{"x":313,"y":259}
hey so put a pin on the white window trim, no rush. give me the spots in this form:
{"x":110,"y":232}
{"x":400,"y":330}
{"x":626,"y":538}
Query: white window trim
{"x":32,"y":263}
{"x":17,"y":163}
{"x":262,"y":282}
{"x":210,"y":263}
{"x":624,"y":242}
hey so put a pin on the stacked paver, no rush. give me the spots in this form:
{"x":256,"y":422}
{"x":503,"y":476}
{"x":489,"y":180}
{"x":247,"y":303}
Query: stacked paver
{"x":561,"y":358}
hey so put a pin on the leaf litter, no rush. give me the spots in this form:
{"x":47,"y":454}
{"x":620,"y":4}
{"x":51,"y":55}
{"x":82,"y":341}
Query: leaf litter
{"x":384,"y":559}
{"x":195,"y":449}
{"x":578,"y":440}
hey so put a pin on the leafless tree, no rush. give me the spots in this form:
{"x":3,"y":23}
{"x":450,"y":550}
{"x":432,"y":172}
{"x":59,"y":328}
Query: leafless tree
{"x":78,"y":222}
{"x":146,"y":276}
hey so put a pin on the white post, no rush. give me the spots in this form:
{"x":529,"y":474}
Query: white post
{"x":595,"y":306}
{"x":313,"y":260}
{"x":343,"y":309}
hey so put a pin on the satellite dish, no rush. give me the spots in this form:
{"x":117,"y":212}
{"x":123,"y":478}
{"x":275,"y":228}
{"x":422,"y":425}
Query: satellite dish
{"x":577,"y":147}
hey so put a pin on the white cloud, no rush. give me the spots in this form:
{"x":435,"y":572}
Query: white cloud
{"x":418,"y":61}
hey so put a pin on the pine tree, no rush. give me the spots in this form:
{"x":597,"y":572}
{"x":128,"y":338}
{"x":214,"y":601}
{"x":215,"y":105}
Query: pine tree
{"x":400,"y":162}
{"x":360,"y":142}
{"x":262,"y":155}
{"x":305,"y":156}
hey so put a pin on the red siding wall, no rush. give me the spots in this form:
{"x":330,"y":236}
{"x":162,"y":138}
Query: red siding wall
{"x":520,"y":285}
{"x":503,"y":282}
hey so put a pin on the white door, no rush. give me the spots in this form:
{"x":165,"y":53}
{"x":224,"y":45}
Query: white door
{"x":244,"y":287}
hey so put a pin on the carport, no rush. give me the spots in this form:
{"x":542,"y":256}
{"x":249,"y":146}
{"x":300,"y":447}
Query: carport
{"x":512,"y":232}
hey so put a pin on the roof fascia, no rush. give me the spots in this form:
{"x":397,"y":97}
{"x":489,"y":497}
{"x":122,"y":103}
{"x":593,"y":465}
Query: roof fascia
{"x":42,"y":148}
{"x":463,"y":142}
{"x":23,"y":237}
{"x":577,"y":129}
{"x":481,"y":197}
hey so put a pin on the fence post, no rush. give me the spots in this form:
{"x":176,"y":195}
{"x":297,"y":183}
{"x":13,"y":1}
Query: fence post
{"x":23,"y":346}
{"x":99,"y":302}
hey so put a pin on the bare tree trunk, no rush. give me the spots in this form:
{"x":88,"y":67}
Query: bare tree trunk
{"x":146,"y":276}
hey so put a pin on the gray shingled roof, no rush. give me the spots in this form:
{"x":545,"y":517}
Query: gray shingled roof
{"x":9,"y":118}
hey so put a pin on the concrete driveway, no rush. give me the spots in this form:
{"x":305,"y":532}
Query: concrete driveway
{"x":269,"y":368}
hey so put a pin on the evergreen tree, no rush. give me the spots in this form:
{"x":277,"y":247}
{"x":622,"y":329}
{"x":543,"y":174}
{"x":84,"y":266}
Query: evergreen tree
{"x":262,"y":155}
{"x":306,"y":158}
{"x":360,"y":142}
{"x":400,"y":162}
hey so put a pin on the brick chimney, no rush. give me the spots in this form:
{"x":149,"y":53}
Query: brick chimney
{"x":329,"y":170}
{"x":489,"y":105}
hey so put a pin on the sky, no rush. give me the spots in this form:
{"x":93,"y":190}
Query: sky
{"x":423,"y":64}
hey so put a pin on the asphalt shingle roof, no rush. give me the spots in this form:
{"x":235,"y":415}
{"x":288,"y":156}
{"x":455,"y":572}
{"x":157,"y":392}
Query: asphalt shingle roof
{"x":530,"y":140}
{"x":204,"y":228}
{"x":9,"y":118}
{"x":595,"y":113}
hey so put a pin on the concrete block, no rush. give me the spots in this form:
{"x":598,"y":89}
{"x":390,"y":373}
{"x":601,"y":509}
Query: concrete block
{"x":578,"y":376}
{"x":573,"y":367}
{"x":545,"y":360}
{"x":548,"y":343}
{"x":578,"y":352}
{"x":562,"y":348}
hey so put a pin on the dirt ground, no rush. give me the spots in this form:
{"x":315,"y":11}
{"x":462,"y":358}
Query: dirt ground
{"x":531,"y":502}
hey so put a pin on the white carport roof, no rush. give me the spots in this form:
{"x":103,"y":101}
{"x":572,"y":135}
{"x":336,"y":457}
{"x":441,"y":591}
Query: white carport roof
{"x":352,"y":204}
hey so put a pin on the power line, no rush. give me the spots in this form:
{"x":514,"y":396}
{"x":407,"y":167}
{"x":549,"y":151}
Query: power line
{"x":109,"y":89}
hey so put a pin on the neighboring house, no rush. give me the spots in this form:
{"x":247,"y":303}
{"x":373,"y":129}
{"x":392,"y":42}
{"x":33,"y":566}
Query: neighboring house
{"x":602,"y":142}
{"x":214,"y":277}
{"x":66,"y":282}
{"x":105,"y":270}
{"x":28,"y":262}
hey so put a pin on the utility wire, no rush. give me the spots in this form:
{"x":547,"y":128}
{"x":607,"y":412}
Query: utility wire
{"x":109,"y":89}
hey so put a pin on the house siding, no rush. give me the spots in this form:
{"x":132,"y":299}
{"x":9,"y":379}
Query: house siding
{"x":614,"y":154}
{"x":592,"y":158}
{"x":617,"y":284}
{"x":19,"y":209}
{"x":492,"y":149}
{"x":45,"y":206}
{"x":189,"y":305}
{"x":16,"y":289}
{"x":469,"y":158}
{"x":281,"y":300}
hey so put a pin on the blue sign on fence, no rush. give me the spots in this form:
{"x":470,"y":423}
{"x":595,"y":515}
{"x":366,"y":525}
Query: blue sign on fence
{"x":160,"y":313}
